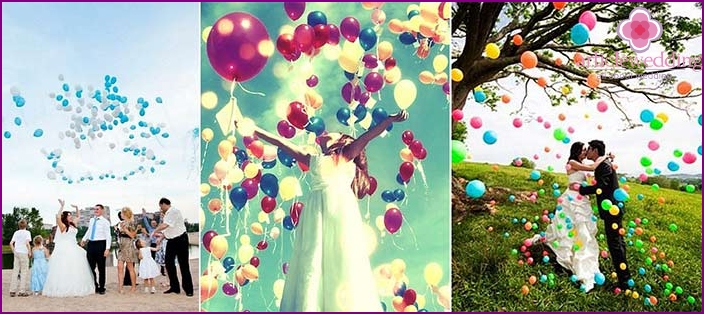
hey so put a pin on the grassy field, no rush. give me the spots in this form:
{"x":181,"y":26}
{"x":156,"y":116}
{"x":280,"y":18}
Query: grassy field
{"x":487,"y":275}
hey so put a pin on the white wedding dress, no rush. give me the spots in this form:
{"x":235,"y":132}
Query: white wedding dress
{"x":69,"y":274}
{"x":573,"y":225}
{"x":329,"y":270}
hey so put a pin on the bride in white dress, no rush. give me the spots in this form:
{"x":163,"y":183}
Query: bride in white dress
{"x":329,"y":270}
{"x":69,"y":274}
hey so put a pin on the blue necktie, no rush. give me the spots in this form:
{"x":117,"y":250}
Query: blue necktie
{"x":92,"y":229}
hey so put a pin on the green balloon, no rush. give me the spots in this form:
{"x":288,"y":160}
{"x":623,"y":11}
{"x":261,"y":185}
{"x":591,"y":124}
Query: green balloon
{"x":645,"y":162}
{"x":550,"y":168}
{"x":541,"y":192}
{"x":514,"y":252}
{"x":655,"y":187}
{"x":649,"y":171}
{"x":673,"y":227}
{"x":602,"y":237}
{"x":677,"y":153}
{"x":459,"y":152}
{"x":656,"y":124}
{"x":645,"y":221}
{"x":606,"y":205}
{"x":669,"y":286}
{"x":690,"y":299}
{"x":679,"y":290}
{"x":690,"y":188}
{"x":559,"y":134}
{"x":648,"y":261}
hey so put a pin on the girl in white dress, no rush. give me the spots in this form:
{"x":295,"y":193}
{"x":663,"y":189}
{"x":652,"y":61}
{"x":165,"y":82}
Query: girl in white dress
{"x":69,"y":274}
{"x":148,"y":268}
{"x":329,"y":270}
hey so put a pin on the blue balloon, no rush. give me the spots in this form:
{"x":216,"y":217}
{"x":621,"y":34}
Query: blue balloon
{"x":343,"y":115}
{"x":535,"y":175}
{"x":288,"y":223}
{"x":360,"y":112}
{"x":489,"y":137}
{"x":241,"y":155}
{"x":115,"y":89}
{"x":699,"y":150}
{"x":65,"y":87}
{"x":621,"y":195}
{"x":413,"y":13}
{"x":269,"y":164}
{"x":367,"y":38}
{"x":399,"y":179}
{"x":406,"y":38}
{"x":228,"y":263}
{"x":113,"y":80}
{"x":475,"y":189}
{"x":401,"y":290}
{"x":349,"y":76}
{"x":269,"y":184}
{"x":657,"y":171}
{"x":165,"y":135}
{"x":566,"y":140}
{"x":479,"y":96}
{"x":700,"y":120}
{"x":316,"y":125}
{"x":238,"y":197}
{"x":379,"y":114}
{"x":646,"y":116}
{"x":285,"y":158}
{"x":673,"y":166}
{"x":158,"y":100}
{"x":579,"y":34}
{"x":7,"y":134}
{"x":399,"y":194}
{"x":18,"y":121}
{"x":388,"y":196}
{"x":599,"y":279}
{"x":316,"y":18}
{"x":38,"y":133}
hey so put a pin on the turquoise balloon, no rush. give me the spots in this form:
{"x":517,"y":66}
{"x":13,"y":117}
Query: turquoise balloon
{"x":489,"y":137}
{"x":18,"y":121}
{"x":475,"y":189}
{"x":38,"y":133}
{"x":621,"y":195}
{"x":646,"y":116}
{"x":479,"y":96}
{"x":7,"y":134}
{"x":673,"y":166}
{"x":579,"y":34}
{"x":535,"y":175}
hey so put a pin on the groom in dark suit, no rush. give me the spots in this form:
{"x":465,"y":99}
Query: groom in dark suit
{"x":606,"y":184}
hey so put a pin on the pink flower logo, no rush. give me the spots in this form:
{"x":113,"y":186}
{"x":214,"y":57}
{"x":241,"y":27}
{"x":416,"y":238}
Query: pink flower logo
{"x":640,"y":30}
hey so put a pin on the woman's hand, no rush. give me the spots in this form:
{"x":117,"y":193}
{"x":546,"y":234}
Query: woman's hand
{"x":611,"y":155}
{"x":62,"y":202}
{"x":399,"y":117}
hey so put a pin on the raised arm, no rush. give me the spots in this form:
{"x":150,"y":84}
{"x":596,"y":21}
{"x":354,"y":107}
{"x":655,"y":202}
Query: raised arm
{"x":77,"y":216}
{"x":59,"y":223}
{"x":355,"y":148}
{"x":287,"y":146}
{"x":145,"y":221}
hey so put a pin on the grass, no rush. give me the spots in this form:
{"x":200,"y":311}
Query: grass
{"x":487,"y":276}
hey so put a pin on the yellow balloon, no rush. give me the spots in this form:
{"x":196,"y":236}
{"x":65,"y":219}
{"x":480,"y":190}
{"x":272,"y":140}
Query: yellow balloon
{"x":208,"y":287}
{"x":456,"y":75}
{"x":492,"y":51}
{"x":251,"y":170}
{"x":313,"y":99}
{"x":410,"y":308}
{"x":398,"y":268}
{"x":385,"y":50}
{"x":257,"y":228}
{"x":406,"y":154}
{"x":420,"y":299}
{"x":440,"y":78}
{"x":289,"y":188}
{"x":209,"y":100}
{"x":426,"y":77}
{"x":201,"y":217}
{"x":392,"y":76}
{"x":213,"y":180}
{"x":232,"y":140}
{"x":565,"y":90}
{"x":379,"y":222}
{"x":218,"y":246}
{"x":250,"y":272}
{"x":663,"y":116}
{"x":405,"y":94}
{"x":234,"y":175}
{"x":279,"y":214}
{"x":207,"y":134}
{"x":274,"y":233}
{"x":220,"y":169}
{"x":245,"y":253}
{"x":348,"y":62}
{"x":263,"y":217}
{"x":225,"y":149}
{"x":432,"y":274}
{"x":279,"y":288}
{"x":204,"y":189}
{"x":245,"y":240}
{"x":440,"y":63}
{"x":414,"y":23}
{"x":246,"y":127}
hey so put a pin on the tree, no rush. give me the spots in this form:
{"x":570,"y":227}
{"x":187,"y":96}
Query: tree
{"x":459,"y":132}
{"x":545,"y":31}
{"x":35,"y":223}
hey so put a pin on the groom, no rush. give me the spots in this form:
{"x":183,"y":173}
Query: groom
{"x":99,"y":241}
{"x":606,"y":184}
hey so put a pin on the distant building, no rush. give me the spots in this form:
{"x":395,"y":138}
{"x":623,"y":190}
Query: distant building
{"x":87,"y":214}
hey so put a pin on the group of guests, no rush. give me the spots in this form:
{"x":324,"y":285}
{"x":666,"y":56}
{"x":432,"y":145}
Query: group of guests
{"x":70,"y":269}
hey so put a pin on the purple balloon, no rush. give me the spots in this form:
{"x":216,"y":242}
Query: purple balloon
{"x":233,"y":51}
{"x":347,"y":91}
{"x":356,"y":92}
{"x":284,"y":268}
{"x":446,"y":88}
{"x":285,"y":129}
{"x":364,"y":98}
{"x":247,"y":140}
{"x":349,"y":27}
{"x":312,"y":81}
{"x":370,"y":61}
{"x":229,"y":289}
{"x":333,"y":34}
{"x":251,"y":187}
{"x":207,"y":237}
{"x":373,"y":82}
{"x":294,"y":10}
{"x":393,"y":220}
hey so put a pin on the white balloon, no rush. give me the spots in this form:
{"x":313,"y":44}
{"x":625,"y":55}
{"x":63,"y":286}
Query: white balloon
{"x":44,"y":152}
{"x":112,"y":145}
{"x":90,"y":88}
{"x":68,"y":108}
{"x":76,"y":140}
{"x":72,"y":125}
{"x":61,"y":135}
{"x":100,"y":134}
{"x":59,"y":169}
{"x":79,"y":110}
{"x":107,"y":117}
{"x":162,"y":125}
{"x":61,"y":77}
{"x":58,"y":152}
{"x":51,"y":175}
{"x":81,"y":101}
{"x":59,"y":107}
{"x":14,"y":91}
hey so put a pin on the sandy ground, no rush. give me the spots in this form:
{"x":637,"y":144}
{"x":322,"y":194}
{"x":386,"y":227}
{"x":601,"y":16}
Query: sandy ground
{"x":111,"y":301}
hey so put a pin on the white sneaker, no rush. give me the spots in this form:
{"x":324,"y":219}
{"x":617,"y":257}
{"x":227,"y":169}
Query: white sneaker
{"x":153,"y":290}
{"x":146,"y":289}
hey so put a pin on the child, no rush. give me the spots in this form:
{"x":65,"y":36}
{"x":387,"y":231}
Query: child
{"x":40,"y":265}
{"x":148,"y":269}
{"x":20,"y":268}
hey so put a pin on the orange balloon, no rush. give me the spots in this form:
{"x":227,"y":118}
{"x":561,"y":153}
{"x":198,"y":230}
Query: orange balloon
{"x":250,"y":272}
{"x":396,"y":26}
{"x":398,"y":304}
{"x":661,"y":200}
{"x":547,"y":149}
{"x":542,"y":82}
{"x":558,"y":62}
{"x":214,"y":205}
{"x":313,"y":99}
{"x":561,"y":117}
{"x":593,"y":80}
{"x":257,"y":148}
{"x":495,"y":167}
{"x":578,"y":58}
{"x":529,"y":60}
{"x":559,"y":5}
{"x":541,"y":182}
{"x":684,"y":87}
{"x":517,"y":40}
{"x":525,"y":290}
{"x":208,"y":287}
{"x":426,"y":77}
{"x":406,"y":154}
{"x":506,"y":99}
{"x":532,"y":280}
{"x":583,"y":92}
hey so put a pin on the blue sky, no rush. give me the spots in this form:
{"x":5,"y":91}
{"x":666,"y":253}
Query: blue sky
{"x":427,"y":210}
{"x":151,"y":49}
{"x":680,"y":132}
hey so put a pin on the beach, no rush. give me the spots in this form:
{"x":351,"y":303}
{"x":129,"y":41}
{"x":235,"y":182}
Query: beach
{"x":111,"y":301}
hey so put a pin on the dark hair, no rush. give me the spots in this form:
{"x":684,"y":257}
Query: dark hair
{"x":576,"y":150}
{"x":119,"y":216}
{"x":138,"y":244}
{"x":66,"y":221}
{"x":164,"y":201}
{"x":599,"y":146}
{"x":101,"y":206}
{"x":361,"y":183}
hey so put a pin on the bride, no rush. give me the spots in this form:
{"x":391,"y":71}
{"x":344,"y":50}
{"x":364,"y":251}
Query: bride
{"x":69,"y":274}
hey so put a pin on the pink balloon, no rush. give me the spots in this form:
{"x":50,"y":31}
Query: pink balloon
{"x":304,"y":35}
{"x":476,"y":122}
{"x":349,"y":27}
{"x":233,"y":51}
{"x":540,"y":119}
{"x":333,"y":35}
{"x":558,"y":156}
{"x":390,"y":63}
{"x":373,"y":184}
{"x":536,"y":157}
{"x":602,"y":106}
{"x":321,"y":33}
{"x":547,"y":125}
{"x":251,"y":187}
{"x":294,"y":10}
{"x":248,"y":140}
{"x":393,"y":220}
{"x":297,"y":115}
{"x":285,"y":44}
{"x":643,"y":177}
{"x":378,"y":16}
{"x":285,"y":129}
{"x":570,"y":130}
{"x":689,"y":158}
{"x":312,"y":81}
{"x":370,"y":61}
{"x":262,"y":245}
{"x":373,"y":82}
{"x":588,"y":18}
{"x":517,"y":123}
{"x":653,"y":145}
{"x":364,"y":98}
{"x":254,"y":261}
{"x":406,"y":170}
{"x":457,"y":115}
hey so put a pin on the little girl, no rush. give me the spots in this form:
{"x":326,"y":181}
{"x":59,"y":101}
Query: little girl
{"x":148,"y":269}
{"x":39,"y":265}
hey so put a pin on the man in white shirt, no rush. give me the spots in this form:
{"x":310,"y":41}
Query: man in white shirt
{"x":99,"y":241}
{"x":174,"y":229}
{"x":20,"y":247}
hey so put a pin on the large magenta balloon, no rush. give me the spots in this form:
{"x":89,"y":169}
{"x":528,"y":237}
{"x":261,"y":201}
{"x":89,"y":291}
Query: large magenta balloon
{"x":233,"y":46}
{"x":333,"y":34}
{"x":207,"y":237}
{"x":373,"y":82}
{"x":393,"y":220}
{"x":349,"y":27}
{"x":294,"y":10}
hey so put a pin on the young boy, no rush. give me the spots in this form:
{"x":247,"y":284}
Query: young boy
{"x":20,"y":247}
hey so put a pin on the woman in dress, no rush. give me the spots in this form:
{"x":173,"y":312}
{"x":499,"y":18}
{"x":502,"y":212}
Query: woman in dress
{"x":69,"y":274}
{"x":128,"y":251}
{"x":329,"y":270}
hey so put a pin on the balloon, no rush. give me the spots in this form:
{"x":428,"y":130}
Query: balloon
{"x":602,"y":106}
{"x":373,"y":82}
{"x":343,"y":115}
{"x":476,"y":122}
{"x":225,"y":149}
{"x":269,"y":184}
{"x":404,"y":94}
{"x":214,"y":205}
{"x":218,"y":246}
{"x":579,"y":34}
{"x":656,"y":124}
{"x":517,"y":40}
{"x":316,"y":125}
{"x":683,"y":88}
{"x":456,"y":75}
{"x":238,"y":197}
{"x":294,"y":10}
{"x":426,"y":77}
{"x":385,"y":50}
{"x":333,"y":34}
{"x":289,"y":187}
{"x":432,"y":274}
{"x":535,"y":175}
{"x":440,"y":63}
{"x":406,"y":170}
{"x":234,"y":52}
{"x":407,"y":137}
{"x":349,"y":27}
{"x":316,"y":18}
{"x":372,"y":185}
{"x":475,"y":189}
{"x":479,"y":96}
{"x":492,"y":51}
{"x":689,"y":158}
{"x":367,"y":38}
{"x":588,"y":18}
{"x":297,"y":115}
{"x":489,"y":137}
{"x":303,"y":36}
{"x":593,"y":80}
{"x":457,"y":115}
{"x":388,"y":196}
{"x":393,"y":220}
{"x":208,"y":287}
{"x":529,"y":60}
{"x":653,"y":145}
{"x":207,"y":238}
{"x":647,"y":116}
{"x":559,"y":134}
{"x":559,"y":5}
{"x":517,"y":123}
{"x":406,"y":38}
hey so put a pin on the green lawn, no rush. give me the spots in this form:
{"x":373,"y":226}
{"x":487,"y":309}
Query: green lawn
{"x":487,"y":275}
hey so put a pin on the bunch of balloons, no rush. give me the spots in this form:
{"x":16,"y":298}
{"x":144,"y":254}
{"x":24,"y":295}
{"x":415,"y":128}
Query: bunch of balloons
{"x":426,"y":26}
{"x":393,"y":282}
{"x":580,"y":31}
{"x":440,"y":63}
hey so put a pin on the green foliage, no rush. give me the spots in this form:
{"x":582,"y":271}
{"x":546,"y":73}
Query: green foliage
{"x":192,"y":227}
{"x":459,"y":132}
{"x":10,"y":222}
{"x":486,"y":276}
{"x":525,"y":163}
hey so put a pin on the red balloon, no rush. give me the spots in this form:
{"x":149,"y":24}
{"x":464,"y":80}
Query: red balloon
{"x":406,"y":170}
{"x":257,"y":148}
{"x":333,"y":35}
{"x":262,"y":245}
{"x":254,"y":261}
{"x":207,"y":237}
{"x":297,"y":115}
{"x":390,"y":63}
{"x":293,"y":56}
{"x":372,"y":185}
{"x":409,"y":297}
{"x":303,"y":36}
{"x":294,"y":10}
{"x":251,"y":187}
{"x":421,"y":154}
{"x":321,"y":35}
{"x":407,"y":137}
{"x":393,"y":220}
{"x":233,"y":51}
{"x":248,"y":140}
{"x":415,"y":146}
{"x":268,"y":204}
{"x":295,"y":212}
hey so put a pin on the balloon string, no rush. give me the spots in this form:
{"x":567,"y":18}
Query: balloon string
{"x":413,"y":233}
{"x":250,"y":92}
{"x":205,"y":151}
{"x":367,"y":217}
{"x":422,"y":174}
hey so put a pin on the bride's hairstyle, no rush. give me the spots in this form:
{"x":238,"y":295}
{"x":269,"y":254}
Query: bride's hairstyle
{"x":66,"y":221}
{"x":575,"y":151}
{"x":361,"y":183}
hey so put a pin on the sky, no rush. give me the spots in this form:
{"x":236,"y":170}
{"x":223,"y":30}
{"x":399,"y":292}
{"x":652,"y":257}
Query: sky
{"x":152,"y":51}
{"x":425,"y":235}
{"x":680,"y":132}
